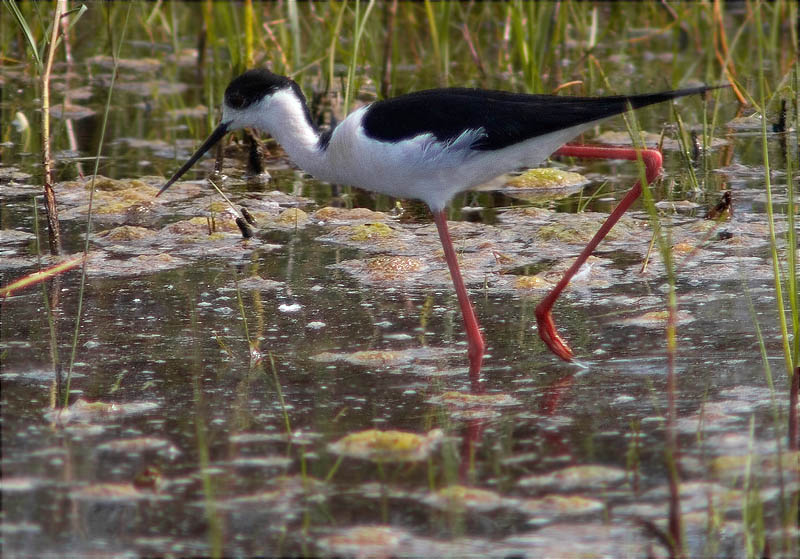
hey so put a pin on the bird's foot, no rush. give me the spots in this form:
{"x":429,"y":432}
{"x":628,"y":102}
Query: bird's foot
{"x":547,"y":331}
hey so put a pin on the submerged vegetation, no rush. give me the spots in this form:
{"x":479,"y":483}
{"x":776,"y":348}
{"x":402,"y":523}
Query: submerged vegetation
{"x":308,"y":379}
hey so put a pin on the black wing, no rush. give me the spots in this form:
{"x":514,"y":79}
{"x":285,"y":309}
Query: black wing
{"x":506,"y":118}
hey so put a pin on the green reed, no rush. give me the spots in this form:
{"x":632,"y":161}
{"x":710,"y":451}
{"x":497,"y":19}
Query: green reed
{"x":103,"y":128}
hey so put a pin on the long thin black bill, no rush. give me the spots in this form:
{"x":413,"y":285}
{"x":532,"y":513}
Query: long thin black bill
{"x":215,"y":137}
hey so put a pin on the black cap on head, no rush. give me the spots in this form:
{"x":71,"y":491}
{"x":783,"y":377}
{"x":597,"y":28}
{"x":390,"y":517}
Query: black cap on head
{"x":244,"y":90}
{"x":252,"y":86}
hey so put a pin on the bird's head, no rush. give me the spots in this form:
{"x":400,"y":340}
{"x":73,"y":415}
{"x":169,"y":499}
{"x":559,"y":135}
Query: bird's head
{"x":246,"y":105}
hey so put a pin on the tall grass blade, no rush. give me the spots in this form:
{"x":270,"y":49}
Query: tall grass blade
{"x":214,"y":530}
{"x":671,"y":449}
{"x":51,"y":207}
{"x":103,"y":128}
{"x":294,"y":24}
{"x":776,"y":263}
{"x":249,"y":50}
{"x":434,"y":31}
{"x":360,"y":25}
{"x":284,"y":410}
{"x":337,"y":28}
{"x":26,"y":31}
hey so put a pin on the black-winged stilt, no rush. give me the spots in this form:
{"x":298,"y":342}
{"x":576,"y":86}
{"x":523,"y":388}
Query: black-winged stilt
{"x":432,"y":144}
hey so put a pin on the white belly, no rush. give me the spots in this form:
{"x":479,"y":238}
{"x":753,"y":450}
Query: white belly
{"x":423,"y":167}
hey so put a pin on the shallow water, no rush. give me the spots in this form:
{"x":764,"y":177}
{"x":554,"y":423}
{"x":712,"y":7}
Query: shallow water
{"x":216,"y":379}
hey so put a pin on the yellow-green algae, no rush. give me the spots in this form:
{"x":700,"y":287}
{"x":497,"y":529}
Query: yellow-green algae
{"x":374,"y":357}
{"x":218,"y":207}
{"x":574,"y":477}
{"x":463,"y":496}
{"x":561,"y":505}
{"x":532,"y":282}
{"x":106,"y":184}
{"x":394,"y":265}
{"x":127,"y":233}
{"x":223,"y":223}
{"x":582,"y":227}
{"x":329,"y":213}
{"x":728,"y":465}
{"x":388,"y":446}
{"x":464,"y":399}
{"x":292,"y":216}
{"x":546,"y":177}
{"x":369,"y":231}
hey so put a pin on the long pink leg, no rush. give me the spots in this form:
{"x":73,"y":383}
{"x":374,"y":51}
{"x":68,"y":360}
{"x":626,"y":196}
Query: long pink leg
{"x":652,"y":161}
{"x":476,"y":345}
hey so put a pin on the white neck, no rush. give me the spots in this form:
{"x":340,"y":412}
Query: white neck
{"x":283,"y":116}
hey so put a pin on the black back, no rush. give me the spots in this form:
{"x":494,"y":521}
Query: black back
{"x":506,"y":118}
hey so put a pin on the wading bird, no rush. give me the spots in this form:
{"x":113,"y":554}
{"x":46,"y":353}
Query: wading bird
{"x":431,"y":145}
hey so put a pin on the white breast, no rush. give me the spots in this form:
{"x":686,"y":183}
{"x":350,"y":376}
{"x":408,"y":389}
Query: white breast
{"x":424,"y":168}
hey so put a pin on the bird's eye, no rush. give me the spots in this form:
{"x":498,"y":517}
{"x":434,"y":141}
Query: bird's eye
{"x":236,"y":100}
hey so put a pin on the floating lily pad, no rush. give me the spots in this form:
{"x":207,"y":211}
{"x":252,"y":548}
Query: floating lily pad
{"x":388,"y":446}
